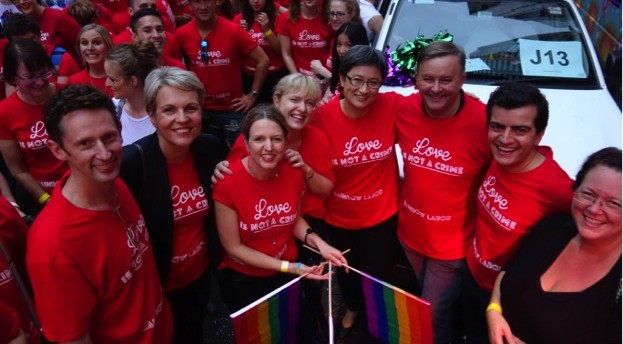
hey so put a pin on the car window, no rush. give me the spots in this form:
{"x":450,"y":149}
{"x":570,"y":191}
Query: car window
{"x":536,"y":41}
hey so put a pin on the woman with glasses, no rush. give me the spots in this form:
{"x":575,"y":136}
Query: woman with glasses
{"x":361,"y":210}
{"x":258,"y":18}
{"x":169,"y":173}
{"x":127,"y":66}
{"x":23,"y":135}
{"x":258,"y":218}
{"x":564,"y":284}
{"x":93,"y":45}
{"x":304,"y":35}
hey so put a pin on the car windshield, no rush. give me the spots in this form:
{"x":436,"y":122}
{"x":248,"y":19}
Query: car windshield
{"x":536,"y":41}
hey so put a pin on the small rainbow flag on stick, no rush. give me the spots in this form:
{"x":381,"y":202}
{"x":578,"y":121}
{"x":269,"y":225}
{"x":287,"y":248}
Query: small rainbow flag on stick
{"x":271,"y":319}
{"x":395,"y":316}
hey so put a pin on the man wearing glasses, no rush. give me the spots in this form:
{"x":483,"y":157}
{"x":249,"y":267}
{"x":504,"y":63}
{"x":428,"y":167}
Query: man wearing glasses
{"x":523,"y":185}
{"x":443,"y":136}
{"x":88,"y":254}
{"x":215,"y":48}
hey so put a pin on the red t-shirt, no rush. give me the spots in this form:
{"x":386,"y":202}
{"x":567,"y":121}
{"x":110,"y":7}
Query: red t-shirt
{"x":444,"y":160}
{"x":120,"y":21}
{"x":115,"y":6}
{"x":9,"y":323}
{"x":83,"y":77}
{"x":180,"y":7}
{"x":24,"y":123}
{"x":171,"y":48}
{"x":267,"y":212}
{"x":314,"y":150}
{"x":228,"y":44}
{"x":59,"y":29}
{"x":276,"y":61}
{"x":364,"y":162}
{"x":309,"y":40}
{"x":509,"y":204}
{"x":13,"y":239}
{"x":67,"y":65}
{"x":94,"y":271}
{"x":190,"y":243}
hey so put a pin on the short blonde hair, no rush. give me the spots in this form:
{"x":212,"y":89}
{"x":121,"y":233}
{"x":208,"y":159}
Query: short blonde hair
{"x":296,"y":82}
{"x":173,"y":77}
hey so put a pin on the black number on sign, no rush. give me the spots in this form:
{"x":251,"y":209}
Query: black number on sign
{"x":562,"y":57}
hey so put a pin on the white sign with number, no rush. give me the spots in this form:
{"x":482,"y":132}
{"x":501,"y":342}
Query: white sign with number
{"x":557,"y":59}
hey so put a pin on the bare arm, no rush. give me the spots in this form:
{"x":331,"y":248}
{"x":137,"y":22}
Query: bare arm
{"x":318,"y":184}
{"x":15,"y":162}
{"x":286,"y":53}
{"x":499,"y":330}
{"x":327,"y":251}
{"x":375,"y":24}
{"x":318,"y":68}
{"x":245,"y":102}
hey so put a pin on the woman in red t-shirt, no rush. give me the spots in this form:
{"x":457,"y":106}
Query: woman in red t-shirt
{"x":257,"y":215}
{"x":23,"y":137}
{"x":93,"y":44}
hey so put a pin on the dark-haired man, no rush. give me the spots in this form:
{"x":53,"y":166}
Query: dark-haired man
{"x":88,"y":253}
{"x":147,"y":25}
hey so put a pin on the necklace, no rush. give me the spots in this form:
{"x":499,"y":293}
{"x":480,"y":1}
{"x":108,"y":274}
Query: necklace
{"x":124,"y":217}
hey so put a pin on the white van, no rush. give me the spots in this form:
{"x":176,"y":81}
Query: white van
{"x":541,"y":42}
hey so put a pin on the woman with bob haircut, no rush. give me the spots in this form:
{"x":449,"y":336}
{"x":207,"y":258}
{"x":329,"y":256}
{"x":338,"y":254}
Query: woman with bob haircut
{"x":168,"y":172}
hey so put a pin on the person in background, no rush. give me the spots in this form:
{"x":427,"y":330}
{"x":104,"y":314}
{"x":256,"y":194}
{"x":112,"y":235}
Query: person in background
{"x":522,"y":185}
{"x":127,"y":66}
{"x":22,"y":26}
{"x":114,"y":6}
{"x":371,"y":18}
{"x":147,"y":25}
{"x":121,"y":21}
{"x":262,"y":181}
{"x":93,"y":44}
{"x":88,"y":253}
{"x":304,"y":36}
{"x":215,"y":49}
{"x":361,"y":212}
{"x":168,"y":172}
{"x":570,"y":292}
{"x":23,"y":134}
{"x":436,"y":219}
{"x":182,"y":12}
{"x":58,"y":29}
{"x":258,"y":18}
{"x":87,"y":12}
{"x":346,"y":37}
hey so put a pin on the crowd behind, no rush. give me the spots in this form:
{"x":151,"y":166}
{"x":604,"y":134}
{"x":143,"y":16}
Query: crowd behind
{"x":160,"y":144}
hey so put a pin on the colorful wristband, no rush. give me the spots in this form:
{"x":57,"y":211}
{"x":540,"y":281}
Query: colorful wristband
{"x":43,"y":198}
{"x":494,"y":307}
{"x":284,"y":266}
{"x":298,"y":268}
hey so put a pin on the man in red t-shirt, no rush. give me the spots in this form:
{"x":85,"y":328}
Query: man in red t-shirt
{"x":443,"y":137}
{"x":522,"y":185}
{"x":215,"y":49}
{"x":121,"y":21}
{"x":88,"y":254}
{"x":147,"y":25}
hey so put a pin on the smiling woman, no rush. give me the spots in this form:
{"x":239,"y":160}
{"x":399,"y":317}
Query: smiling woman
{"x":168,"y":172}
{"x":93,"y":44}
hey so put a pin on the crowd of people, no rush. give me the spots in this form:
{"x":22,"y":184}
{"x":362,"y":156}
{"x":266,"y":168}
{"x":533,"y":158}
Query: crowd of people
{"x":160,"y":144}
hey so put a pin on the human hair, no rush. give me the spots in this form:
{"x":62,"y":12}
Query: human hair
{"x":73,"y":98}
{"x":247,"y":14}
{"x":27,"y":52}
{"x":263,"y":111}
{"x":294,"y":11}
{"x":174,"y":77}
{"x":100,"y":30}
{"x":84,"y":11}
{"x":608,"y":157}
{"x":143,"y":12}
{"x":352,"y":7}
{"x":19,"y":24}
{"x":137,"y":59}
{"x":296,"y":82}
{"x":517,"y":94}
{"x":442,"y":49}
{"x":357,"y":35}
{"x":363,"y":55}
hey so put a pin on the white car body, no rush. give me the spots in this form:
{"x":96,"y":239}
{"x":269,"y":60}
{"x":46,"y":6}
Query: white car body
{"x":582,"y":119}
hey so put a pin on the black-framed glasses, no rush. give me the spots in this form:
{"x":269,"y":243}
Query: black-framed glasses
{"x":359,"y":82}
{"x":34,"y":77}
{"x":204,"y":50}
{"x":588,"y":198}
{"x":337,"y":15}
{"x":125,"y":218}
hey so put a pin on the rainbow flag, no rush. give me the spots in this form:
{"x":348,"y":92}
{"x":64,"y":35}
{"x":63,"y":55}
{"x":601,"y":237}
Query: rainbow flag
{"x":271,"y":319}
{"x":395,"y":316}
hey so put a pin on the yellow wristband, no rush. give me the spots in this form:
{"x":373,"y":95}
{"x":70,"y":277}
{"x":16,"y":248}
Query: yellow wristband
{"x":43,"y":198}
{"x":284,"y":266}
{"x":494,"y":307}
{"x":268,"y":32}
